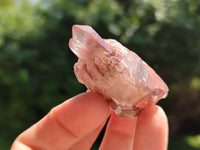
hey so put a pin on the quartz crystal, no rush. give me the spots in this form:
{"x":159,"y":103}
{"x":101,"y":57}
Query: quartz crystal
{"x":107,"y":67}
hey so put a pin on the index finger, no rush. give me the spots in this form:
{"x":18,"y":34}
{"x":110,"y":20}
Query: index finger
{"x":65,"y":124}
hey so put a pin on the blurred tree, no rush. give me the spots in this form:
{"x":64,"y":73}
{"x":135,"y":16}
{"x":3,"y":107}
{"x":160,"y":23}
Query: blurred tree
{"x":34,"y":67}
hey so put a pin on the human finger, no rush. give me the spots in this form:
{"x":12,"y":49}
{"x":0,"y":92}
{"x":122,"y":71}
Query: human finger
{"x":65,"y":124}
{"x":87,"y":141}
{"x":151,"y":130}
{"x":119,"y":133}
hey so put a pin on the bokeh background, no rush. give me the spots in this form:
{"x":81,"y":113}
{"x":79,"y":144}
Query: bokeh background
{"x":36,"y":65}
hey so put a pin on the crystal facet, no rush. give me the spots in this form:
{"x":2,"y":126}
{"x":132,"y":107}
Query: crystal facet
{"x":107,"y":67}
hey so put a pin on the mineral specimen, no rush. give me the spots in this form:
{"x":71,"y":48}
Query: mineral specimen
{"x":107,"y":67}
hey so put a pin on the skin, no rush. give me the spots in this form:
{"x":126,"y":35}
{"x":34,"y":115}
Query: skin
{"x":76,"y":123}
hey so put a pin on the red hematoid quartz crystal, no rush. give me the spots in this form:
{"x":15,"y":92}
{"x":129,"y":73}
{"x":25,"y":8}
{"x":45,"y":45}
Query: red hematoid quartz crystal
{"x":107,"y":67}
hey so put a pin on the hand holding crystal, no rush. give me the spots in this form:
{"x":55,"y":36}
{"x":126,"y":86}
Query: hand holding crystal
{"x":76,"y":123}
{"x":118,"y":79}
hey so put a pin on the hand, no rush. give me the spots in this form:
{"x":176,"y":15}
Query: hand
{"x":76,"y":123}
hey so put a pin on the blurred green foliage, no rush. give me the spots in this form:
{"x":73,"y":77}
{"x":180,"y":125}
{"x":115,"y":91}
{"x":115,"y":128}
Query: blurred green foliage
{"x":36,"y":65}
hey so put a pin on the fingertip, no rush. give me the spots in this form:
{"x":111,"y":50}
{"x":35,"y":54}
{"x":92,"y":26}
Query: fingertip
{"x":155,"y":114}
{"x":85,"y":110}
{"x":119,"y":133}
{"x":152,"y":128}
{"x":96,"y":99}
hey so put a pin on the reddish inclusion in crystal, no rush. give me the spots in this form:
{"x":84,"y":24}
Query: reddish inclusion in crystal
{"x":107,"y":67}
